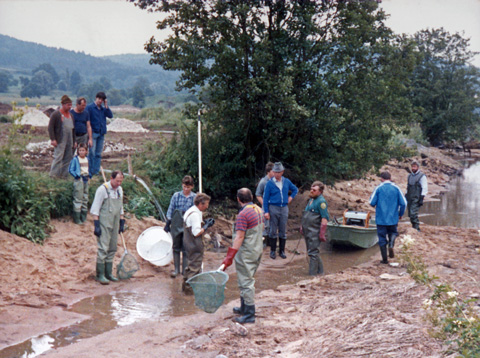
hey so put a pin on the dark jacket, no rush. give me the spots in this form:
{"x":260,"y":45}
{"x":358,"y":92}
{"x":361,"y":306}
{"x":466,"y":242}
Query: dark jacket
{"x":55,"y":127}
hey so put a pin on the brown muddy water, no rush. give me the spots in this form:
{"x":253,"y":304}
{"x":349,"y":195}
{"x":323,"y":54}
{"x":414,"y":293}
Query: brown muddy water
{"x":459,"y":206}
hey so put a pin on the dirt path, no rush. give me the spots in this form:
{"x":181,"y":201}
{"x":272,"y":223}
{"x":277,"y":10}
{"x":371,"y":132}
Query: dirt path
{"x":352,"y":313}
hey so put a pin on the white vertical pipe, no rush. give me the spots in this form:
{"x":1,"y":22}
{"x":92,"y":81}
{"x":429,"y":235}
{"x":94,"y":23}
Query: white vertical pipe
{"x":199,"y":153}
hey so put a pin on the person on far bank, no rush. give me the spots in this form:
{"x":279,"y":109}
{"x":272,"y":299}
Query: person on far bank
{"x":275,"y":205}
{"x":417,"y":188}
{"x":107,"y":212}
{"x":259,"y":194}
{"x":314,"y":227}
{"x":247,"y":249}
{"x":193,"y":231}
{"x":98,"y":120}
{"x":181,"y":201}
{"x":389,"y":204}
{"x":79,"y":170}
{"x":81,"y":118}
{"x":61,"y":131}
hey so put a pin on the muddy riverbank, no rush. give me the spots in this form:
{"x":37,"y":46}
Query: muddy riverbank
{"x":353,"y":312}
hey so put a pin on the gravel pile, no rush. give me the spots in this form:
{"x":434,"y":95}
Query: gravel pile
{"x":125,"y":125}
{"x":33,"y":117}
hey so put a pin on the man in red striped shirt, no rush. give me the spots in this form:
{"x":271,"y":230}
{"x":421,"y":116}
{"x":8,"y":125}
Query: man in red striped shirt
{"x":248,"y":242}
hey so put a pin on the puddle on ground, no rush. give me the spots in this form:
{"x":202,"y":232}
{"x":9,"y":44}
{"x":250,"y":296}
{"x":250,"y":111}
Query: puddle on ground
{"x":460,"y":205}
{"x":161,"y":302}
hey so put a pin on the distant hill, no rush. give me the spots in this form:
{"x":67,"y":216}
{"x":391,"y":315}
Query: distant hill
{"x":22,"y":57}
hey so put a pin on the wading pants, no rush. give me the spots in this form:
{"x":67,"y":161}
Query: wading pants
{"x":311,"y":222}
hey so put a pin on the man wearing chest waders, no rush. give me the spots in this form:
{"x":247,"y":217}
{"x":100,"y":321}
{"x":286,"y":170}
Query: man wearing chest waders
{"x":417,"y":188}
{"x":181,"y":201}
{"x":247,"y":250}
{"x":107,"y":212}
{"x":314,"y":227}
{"x":193,"y":238}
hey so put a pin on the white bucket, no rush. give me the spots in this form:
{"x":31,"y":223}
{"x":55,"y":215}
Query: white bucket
{"x":155,"y":246}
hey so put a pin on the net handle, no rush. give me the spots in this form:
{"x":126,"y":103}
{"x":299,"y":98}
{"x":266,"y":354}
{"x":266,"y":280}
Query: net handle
{"x":123,"y":241}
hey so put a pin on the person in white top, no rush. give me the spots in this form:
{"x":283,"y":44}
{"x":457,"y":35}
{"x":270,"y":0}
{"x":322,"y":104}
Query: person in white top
{"x":193,"y":238}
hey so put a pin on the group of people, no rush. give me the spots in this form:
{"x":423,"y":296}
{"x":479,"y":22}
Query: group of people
{"x":84,"y":128}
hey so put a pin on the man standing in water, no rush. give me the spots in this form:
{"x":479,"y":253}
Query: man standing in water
{"x":259,"y":194}
{"x":107,"y":211}
{"x":181,"y":201}
{"x":314,"y":227}
{"x":193,"y":238}
{"x":98,"y":120}
{"x":390,"y":204}
{"x":417,"y":188}
{"x":275,"y":205}
{"x":247,"y":250}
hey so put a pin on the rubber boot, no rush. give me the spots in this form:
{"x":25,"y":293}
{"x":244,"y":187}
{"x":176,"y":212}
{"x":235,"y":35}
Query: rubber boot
{"x":391,"y":244}
{"x":273,"y":247}
{"x":248,"y":315}
{"x":320,"y":266}
{"x":186,"y":288}
{"x":281,"y":248}
{"x":241,"y":309}
{"x":383,"y":251}
{"x":83,"y":215}
{"x":76,"y":217}
{"x":108,"y":272}
{"x":184,"y":262}
{"x":101,"y":274}
{"x":176,"y":264}
{"x":312,"y":267}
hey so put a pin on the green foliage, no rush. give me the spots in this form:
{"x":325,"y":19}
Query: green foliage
{"x":454,"y":320}
{"x":317,"y":85}
{"x":445,"y":88}
{"x":6,"y":80}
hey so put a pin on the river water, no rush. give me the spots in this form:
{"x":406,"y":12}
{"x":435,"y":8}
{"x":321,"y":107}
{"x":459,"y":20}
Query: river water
{"x":459,"y":206}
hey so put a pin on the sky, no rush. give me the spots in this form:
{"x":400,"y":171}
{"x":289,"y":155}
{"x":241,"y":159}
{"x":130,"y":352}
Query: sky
{"x":111,"y":27}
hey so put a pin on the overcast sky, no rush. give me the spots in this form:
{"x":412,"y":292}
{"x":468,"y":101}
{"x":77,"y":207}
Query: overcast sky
{"x":110,"y":27}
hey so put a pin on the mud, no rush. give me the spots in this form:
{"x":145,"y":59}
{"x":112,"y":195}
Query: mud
{"x":354,"y":311}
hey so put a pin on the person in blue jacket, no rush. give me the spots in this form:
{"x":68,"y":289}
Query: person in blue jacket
{"x":275,"y":205}
{"x":79,"y":170}
{"x":98,"y":121}
{"x":390,"y":204}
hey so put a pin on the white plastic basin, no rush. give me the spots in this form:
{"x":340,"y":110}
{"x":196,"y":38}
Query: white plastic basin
{"x":155,"y":246}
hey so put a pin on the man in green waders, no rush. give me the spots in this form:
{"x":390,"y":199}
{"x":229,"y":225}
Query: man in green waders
{"x":314,"y":227}
{"x":181,"y":201}
{"x":193,"y":238}
{"x":107,"y":212}
{"x":417,"y":188}
{"x":247,"y":250}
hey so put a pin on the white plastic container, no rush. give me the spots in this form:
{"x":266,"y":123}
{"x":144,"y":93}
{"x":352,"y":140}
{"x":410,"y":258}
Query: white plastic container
{"x":155,"y":246}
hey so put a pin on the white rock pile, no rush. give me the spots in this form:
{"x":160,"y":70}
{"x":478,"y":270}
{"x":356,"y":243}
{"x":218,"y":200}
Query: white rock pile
{"x":125,"y":125}
{"x":33,"y":117}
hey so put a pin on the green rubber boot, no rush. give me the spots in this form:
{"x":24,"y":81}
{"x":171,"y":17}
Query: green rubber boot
{"x":76,"y":217}
{"x":108,"y":272}
{"x":83,"y":215}
{"x":101,"y":274}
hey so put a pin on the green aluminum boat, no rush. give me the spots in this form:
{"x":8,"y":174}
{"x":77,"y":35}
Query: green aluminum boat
{"x":355,"y":230}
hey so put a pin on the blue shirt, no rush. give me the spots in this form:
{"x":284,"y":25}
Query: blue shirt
{"x":274,"y":196}
{"x":181,"y":202}
{"x":80,"y":121}
{"x":389,"y":203}
{"x":98,"y":117}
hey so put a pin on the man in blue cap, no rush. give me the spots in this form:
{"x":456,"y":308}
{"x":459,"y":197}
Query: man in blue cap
{"x":276,"y":198}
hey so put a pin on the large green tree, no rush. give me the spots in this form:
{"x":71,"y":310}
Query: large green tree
{"x":445,"y":88}
{"x":319,"y":85}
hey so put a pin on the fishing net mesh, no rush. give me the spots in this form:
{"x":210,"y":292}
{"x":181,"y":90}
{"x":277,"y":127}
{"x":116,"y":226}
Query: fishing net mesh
{"x":209,"y":289}
{"x":127,"y":267}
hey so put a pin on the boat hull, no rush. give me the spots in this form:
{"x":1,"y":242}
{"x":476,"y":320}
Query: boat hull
{"x":355,"y":236}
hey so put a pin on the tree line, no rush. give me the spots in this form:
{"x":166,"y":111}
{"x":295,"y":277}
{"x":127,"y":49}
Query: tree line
{"x":320,"y":85}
